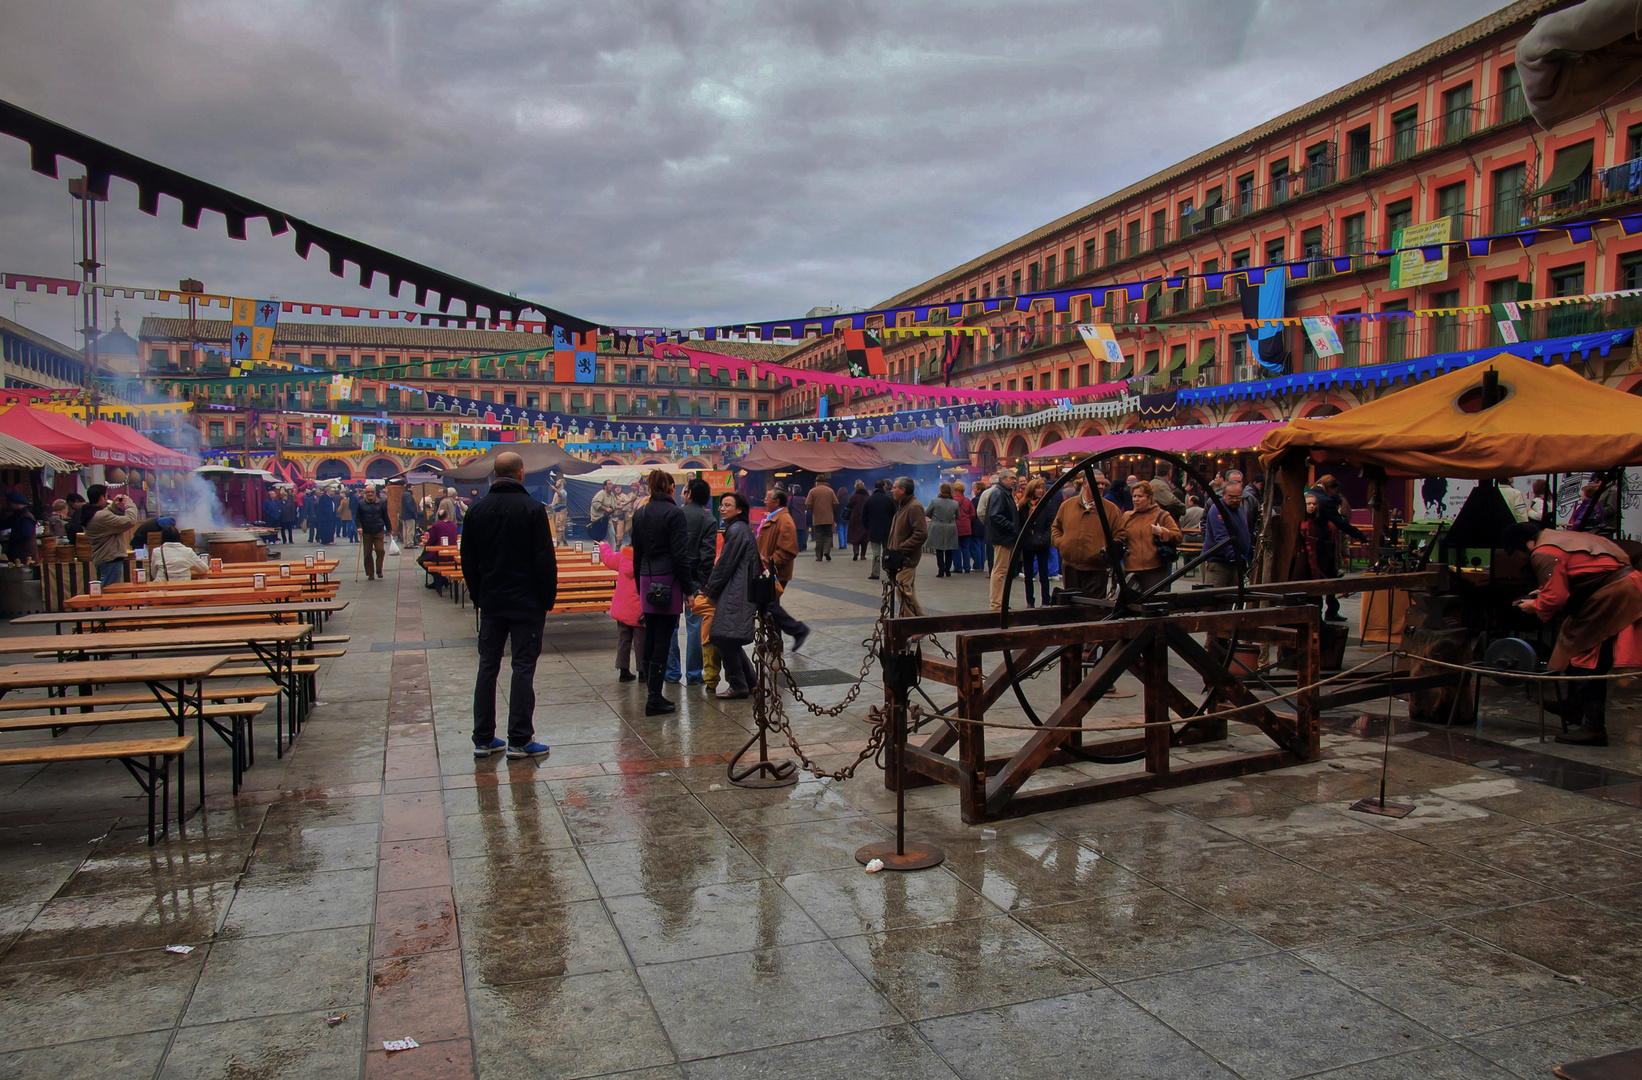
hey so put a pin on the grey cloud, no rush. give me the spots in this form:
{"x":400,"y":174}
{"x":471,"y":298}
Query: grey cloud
{"x":678,"y":161}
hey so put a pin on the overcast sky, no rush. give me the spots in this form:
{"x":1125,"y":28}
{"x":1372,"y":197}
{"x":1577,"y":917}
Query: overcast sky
{"x":646,"y":161}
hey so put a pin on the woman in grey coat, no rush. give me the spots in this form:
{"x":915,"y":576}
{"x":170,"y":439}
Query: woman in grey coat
{"x":727,"y":588}
{"x":943,"y":530}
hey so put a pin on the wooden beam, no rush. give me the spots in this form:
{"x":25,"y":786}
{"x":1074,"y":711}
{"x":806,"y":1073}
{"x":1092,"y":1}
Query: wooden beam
{"x":1281,"y":730}
{"x":1033,"y":754}
{"x":1082,"y":793}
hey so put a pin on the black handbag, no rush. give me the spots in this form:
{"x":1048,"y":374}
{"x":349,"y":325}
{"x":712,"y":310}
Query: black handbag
{"x":1166,"y":551}
{"x":659,"y":595}
{"x":763,"y":590}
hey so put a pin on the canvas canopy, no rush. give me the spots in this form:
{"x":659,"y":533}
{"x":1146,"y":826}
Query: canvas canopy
{"x":905,"y":453}
{"x":539,"y":457}
{"x":1549,"y":420}
{"x":819,"y":457}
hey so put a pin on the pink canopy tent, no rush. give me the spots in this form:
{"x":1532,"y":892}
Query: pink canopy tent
{"x":62,"y":435}
{"x":1221,"y":438}
{"x":153,"y":455}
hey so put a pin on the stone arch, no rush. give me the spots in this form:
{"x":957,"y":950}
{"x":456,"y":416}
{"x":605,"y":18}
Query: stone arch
{"x":695,"y":463}
{"x":1018,"y":447}
{"x":1093,"y":427}
{"x":1320,"y":408}
{"x":987,"y":451}
{"x":432,"y":464}
{"x":1050,"y":435}
{"x":1251,"y":413}
{"x":333,"y":469}
{"x":381,"y":468}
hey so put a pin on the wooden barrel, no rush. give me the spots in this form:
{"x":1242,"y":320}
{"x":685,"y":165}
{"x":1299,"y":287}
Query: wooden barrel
{"x":239,"y":551}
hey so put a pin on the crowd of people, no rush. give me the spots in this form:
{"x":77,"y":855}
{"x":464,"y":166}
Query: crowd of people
{"x":679,"y":565}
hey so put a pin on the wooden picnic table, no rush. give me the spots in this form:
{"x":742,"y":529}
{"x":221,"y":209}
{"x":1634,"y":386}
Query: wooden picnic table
{"x":167,"y":678}
{"x":150,"y":596}
{"x":273,"y":644}
{"x":221,"y":578}
{"x":112,"y":620}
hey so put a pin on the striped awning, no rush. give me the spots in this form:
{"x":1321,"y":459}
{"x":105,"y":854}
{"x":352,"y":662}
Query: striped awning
{"x":17,"y":454}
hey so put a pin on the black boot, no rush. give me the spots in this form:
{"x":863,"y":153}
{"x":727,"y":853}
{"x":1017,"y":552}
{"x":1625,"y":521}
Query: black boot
{"x":656,"y":705}
{"x":1594,"y":731}
{"x":626,"y":676}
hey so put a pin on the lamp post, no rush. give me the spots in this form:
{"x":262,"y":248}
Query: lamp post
{"x":80,"y":188}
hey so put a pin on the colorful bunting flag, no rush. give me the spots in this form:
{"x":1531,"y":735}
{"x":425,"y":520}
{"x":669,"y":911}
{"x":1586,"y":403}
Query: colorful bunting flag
{"x":864,"y":353}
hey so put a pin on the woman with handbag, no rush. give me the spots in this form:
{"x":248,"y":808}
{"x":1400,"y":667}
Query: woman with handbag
{"x":1150,"y":534}
{"x":729,"y":590}
{"x":661,"y":558}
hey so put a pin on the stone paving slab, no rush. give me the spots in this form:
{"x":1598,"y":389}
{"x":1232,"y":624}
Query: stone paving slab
{"x":619,"y":909}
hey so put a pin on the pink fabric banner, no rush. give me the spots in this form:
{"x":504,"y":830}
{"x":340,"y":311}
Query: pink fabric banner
{"x":934,"y":395}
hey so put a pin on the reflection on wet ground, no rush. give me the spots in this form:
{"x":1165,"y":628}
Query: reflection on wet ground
{"x":620,"y":909}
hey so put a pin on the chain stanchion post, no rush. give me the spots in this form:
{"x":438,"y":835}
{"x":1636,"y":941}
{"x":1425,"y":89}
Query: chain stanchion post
{"x":762,"y":773}
{"x":900,"y":673}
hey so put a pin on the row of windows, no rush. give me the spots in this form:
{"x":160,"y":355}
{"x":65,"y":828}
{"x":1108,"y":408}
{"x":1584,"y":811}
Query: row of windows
{"x":532,"y":370}
{"x":594,"y":403}
{"x":1322,"y":164}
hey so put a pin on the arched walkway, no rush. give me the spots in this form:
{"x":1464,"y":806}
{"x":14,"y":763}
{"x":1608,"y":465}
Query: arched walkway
{"x":381,"y":468}
{"x":333,"y":469}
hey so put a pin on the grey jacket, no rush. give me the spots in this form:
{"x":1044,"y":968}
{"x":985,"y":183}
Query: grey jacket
{"x":727,"y":587}
{"x":943,"y":524}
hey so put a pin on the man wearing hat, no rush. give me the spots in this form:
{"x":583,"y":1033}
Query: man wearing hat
{"x":21,"y":545}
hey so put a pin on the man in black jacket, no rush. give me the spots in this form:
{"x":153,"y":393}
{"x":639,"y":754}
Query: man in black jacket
{"x":371,"y":518}
{"x":508,"y":564}
{"x":879,"y":513}
{"x":703,"y":545}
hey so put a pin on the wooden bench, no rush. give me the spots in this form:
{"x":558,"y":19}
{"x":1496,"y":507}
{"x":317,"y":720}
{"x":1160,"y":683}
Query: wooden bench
{"x":154,"y":777}
{"x":94,"y":701}
{"x":232,"y":721}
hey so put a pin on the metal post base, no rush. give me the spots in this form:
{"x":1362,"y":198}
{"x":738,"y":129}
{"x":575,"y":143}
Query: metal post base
{"x":1371,"y":805}
{"x":765,"y":774}
{"x":914,"y":856}
{"x":761,"y":772}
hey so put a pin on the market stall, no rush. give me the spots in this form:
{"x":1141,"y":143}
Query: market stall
{"x":1500,"y":418}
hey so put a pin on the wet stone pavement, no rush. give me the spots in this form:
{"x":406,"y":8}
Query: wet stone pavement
{"x":620,"y":909}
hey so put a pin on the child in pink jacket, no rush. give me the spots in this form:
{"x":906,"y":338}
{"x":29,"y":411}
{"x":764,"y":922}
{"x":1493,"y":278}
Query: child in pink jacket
{"x":624,"y":608}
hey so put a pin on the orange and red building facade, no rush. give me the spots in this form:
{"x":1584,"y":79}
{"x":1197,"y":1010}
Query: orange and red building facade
{"x":1441,"y":133}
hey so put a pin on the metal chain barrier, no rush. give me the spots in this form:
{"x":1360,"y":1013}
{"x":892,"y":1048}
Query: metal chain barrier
{"x":771,"y":714}
{"x":871,"y":644}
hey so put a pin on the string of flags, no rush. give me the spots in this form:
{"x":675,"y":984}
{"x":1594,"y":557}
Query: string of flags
{"x":1406,"y":257}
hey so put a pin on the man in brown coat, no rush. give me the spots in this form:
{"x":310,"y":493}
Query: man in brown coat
{"x":822,"y":503}
{"x":778,"y":547}
{"x":1081,"y":539}
{"x":907,"y":534}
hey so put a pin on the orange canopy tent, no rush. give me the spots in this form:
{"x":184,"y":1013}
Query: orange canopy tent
{"x":1546,"y":420}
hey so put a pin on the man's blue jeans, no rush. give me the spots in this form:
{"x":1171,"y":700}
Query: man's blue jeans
{"x":692,"y":650}
{"x":111,"y":573}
